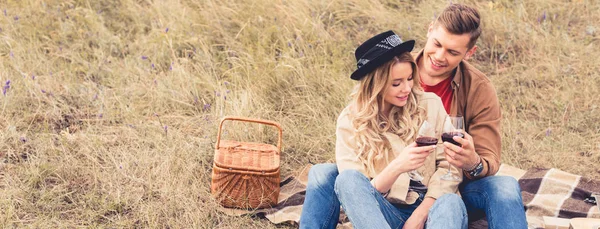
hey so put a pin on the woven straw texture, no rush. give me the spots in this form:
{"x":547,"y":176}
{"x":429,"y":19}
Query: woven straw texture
{"x":246,"y":174}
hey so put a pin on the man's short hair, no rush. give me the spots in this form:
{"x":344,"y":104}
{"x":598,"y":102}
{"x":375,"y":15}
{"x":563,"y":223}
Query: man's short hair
{"x":460,"y":19}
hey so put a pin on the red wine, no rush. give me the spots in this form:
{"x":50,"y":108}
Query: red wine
{"x":447,"y":137}
{"x":426,"y":141}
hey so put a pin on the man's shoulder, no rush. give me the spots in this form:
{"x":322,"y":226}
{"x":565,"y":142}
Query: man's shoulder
{"x":474,"y":75}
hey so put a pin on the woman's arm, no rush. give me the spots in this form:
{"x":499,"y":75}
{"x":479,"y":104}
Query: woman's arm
{"x":410,"y":158}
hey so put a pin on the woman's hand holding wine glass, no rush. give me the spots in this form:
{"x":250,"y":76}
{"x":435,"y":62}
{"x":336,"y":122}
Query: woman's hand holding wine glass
{"x":426,"y":137}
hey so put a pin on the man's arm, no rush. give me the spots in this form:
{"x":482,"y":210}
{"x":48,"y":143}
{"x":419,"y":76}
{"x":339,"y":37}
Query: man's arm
{"x":484,"y":127}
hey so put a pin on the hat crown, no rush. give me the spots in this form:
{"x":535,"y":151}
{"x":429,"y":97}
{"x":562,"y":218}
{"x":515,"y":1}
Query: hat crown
{"x":379,"y":48}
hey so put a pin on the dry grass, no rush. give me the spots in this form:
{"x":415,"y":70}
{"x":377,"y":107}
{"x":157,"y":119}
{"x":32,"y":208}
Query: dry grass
{"x":111,"y":115}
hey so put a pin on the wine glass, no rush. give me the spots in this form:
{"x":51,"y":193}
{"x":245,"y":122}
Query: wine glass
{"x":453,"y":126}
{"x":425,"y":137}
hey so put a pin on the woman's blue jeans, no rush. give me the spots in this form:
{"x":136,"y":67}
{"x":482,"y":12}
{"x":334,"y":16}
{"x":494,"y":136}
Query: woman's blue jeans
{"x":366,"y":207}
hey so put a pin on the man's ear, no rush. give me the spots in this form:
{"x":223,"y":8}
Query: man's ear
{"x":429,"y":29}
{"x":470,"y":53}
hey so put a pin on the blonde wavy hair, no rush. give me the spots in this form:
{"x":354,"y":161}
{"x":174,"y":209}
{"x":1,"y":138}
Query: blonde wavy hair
{"x":370,"y":123}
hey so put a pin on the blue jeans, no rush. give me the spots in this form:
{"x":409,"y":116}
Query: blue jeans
{"x":366,"y":207}
{"x":499,"y":198}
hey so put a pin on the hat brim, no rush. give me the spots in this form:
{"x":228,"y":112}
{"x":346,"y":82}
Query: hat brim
{"x":407,"y":46}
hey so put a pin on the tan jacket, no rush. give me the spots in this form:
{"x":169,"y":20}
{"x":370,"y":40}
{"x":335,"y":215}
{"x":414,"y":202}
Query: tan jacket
{"x":346,"y":155}
{"x":474,"y":97}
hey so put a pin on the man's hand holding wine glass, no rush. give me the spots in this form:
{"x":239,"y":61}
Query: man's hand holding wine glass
{"x":463,"y":157}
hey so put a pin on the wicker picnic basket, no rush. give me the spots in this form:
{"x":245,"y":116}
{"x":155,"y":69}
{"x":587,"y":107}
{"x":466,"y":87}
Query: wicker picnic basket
{"x":246,"y":174}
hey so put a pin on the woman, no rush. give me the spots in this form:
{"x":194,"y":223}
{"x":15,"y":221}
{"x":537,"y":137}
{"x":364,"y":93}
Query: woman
{"x":375,"y":149}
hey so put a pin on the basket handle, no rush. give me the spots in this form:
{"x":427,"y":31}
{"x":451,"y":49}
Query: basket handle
{"x":260,"y":121}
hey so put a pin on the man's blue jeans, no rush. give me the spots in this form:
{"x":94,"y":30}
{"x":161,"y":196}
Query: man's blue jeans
{"x":366,"y":207}
{"x":498,"y":198}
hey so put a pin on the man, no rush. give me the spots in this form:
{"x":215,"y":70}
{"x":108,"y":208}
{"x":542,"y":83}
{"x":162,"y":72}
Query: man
{"x":467,"y":92}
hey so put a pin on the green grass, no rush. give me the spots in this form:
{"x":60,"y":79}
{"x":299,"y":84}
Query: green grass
{"x":113,"y":107}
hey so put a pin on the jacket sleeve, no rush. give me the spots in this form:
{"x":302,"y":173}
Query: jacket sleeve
{"x":484,"y":126}
{"x":345,"y":146}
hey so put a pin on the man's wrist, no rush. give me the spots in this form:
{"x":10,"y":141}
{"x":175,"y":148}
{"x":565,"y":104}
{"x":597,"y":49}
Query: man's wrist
{"x":474,"y":166}
{"x":477,"y":170}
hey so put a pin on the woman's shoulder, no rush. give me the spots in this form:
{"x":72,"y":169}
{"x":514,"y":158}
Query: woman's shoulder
{"x":344,"y":117}
{"x":428,"y":98}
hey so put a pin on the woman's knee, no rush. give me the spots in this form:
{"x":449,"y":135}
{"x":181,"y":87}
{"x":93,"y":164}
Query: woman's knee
{"x":450,"y":202}
{"x":448,"y":205}
{"x":322,"y":174}
{"x":349,"y":179}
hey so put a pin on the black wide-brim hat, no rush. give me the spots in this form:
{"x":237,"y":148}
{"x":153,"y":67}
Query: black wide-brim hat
{"x":377,"y":51}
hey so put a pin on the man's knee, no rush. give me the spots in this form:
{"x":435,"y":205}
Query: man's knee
{"x":504,"y":188}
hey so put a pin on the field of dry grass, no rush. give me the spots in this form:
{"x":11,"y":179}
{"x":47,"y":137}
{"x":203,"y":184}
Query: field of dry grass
{"x":109,"y":109}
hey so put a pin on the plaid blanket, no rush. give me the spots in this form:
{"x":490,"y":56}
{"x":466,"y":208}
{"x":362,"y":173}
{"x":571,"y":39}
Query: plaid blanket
{"x":545,"y":192}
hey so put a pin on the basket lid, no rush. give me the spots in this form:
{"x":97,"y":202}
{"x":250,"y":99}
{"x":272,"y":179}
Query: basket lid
{"x":247,"y":156}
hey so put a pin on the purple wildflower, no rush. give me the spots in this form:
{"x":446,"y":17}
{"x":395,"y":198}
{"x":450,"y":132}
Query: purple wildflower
{"x":218,"y":94}
{"x":225,"y":97}
{"x":144,"y":57}
{"x":6,"y":87}
{"x":409,"y":28}
{"x":16,"y":18}
{"x":171,"y":67}
{"x":542,"y":18}
{"x":32,"y":76}
{"x":206,"y":106}
{"x":11,"y":54}
{"x":226,"y":83}
{"x":548,"y":132}
{"x":100,"y":115}
{"x":227,"y":91}
{"x":152,"y":65}
{"x":167,"y":30}
{"x":95,"y":97}
{"x":5,"y":14}
{"x":166,"y":128}
{"x":43,"y":91}
{"x":23,"y":139}
{"x":120,"y":167}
